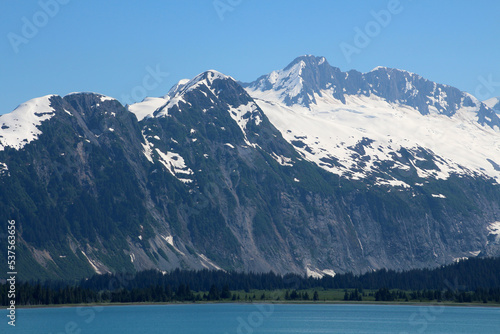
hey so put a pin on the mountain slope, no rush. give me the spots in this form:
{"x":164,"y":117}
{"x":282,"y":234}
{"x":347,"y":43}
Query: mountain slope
{"x":207,"y":177}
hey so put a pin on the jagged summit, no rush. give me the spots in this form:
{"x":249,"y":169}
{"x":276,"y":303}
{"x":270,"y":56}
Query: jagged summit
{"x":310,"y":81}
{"x":309,"y":61}
{"x":150,"y":106}
{"x":301,"y":82}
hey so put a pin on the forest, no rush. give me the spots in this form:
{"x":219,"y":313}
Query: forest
{"x":466,"y":281}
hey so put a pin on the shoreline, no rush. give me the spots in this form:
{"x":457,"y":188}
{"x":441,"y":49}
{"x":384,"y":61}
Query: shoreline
{"x":323,"y":302}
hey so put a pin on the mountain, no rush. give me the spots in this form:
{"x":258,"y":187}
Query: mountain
{"x":273,"y":175}
{"x":382,"y":124}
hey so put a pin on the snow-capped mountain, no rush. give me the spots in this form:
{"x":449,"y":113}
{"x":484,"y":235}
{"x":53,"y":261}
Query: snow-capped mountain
{"x":20,"y":127}
{"x":386,"y":123}
{"x":308,"y":169}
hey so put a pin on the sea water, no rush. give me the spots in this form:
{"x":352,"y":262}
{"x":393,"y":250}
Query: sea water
{"x":255,"y":318}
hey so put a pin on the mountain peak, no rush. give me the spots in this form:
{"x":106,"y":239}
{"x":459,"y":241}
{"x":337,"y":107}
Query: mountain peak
{"x":20,"y":127}
{"x":300,"y":82}
{"x":97,"y":95}
{"x":158,"y":106}
{"x":308,"y":61}
{"x":206,"y":78}
{"x":307,"y":80}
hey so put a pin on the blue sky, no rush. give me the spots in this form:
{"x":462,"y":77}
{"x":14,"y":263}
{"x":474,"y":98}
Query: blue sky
{"x":112,"y":46}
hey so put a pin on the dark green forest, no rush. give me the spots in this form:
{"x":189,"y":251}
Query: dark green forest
{"x":473,"y":280}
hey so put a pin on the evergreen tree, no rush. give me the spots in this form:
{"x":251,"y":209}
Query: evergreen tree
{"x":316,"y":296}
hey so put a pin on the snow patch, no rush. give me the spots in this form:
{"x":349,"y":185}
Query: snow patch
{"x":242,"y":114}
{"x":148,"y":148}
{"x":329,"y":272}
{"x":106,"y":98}
{"x":147,"y":107}
{"x":170,"y":240}
{"x":391,"y":183}
{"x":92,"y":264}
{"x":494,"y":228}
{"x":282,"y":160}
{"x":206,"y":263}
{"x":175,"y":164}
{"x":317,"y":273}
{"x":492,"y":103}
{"x":438,"y":196}
{"x":3,"y":168}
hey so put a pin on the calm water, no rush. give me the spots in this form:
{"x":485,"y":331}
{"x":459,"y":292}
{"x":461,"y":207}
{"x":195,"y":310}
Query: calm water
{"x":254,"y":318}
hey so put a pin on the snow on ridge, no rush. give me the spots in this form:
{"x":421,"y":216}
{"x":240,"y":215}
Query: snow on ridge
{"x":175,"y":95}
{"x":20,"y":127}
{"x":393,"y":69}
{"x":205,"y":78}
{"x":102,"y":97}
{"x":177,"y":87}
{"x":492,"y":103}
{"x":106,"y":98}
{"x":288,"y":82}
{"x":147,"y":107}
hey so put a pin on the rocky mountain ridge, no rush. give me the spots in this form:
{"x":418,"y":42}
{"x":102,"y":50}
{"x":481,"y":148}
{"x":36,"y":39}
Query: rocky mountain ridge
{"x":205,"y":177}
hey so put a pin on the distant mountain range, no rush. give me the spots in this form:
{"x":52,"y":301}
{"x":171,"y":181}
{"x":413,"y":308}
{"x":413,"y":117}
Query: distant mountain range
{"x":307,"y":169}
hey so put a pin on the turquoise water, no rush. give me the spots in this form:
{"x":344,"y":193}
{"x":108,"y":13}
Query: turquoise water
{"x":255,"y":319}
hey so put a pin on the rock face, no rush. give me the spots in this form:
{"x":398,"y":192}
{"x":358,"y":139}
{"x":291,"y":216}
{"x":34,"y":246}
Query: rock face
{"x":212,"y":176}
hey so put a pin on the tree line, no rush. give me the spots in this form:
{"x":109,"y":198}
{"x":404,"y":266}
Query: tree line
{"x":470,"y":280}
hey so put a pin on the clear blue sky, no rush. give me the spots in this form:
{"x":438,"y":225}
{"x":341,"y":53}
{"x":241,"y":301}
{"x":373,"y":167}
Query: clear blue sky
{"x":108,"y":46}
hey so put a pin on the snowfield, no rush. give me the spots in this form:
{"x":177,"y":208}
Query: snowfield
{"x":328,"y":132}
